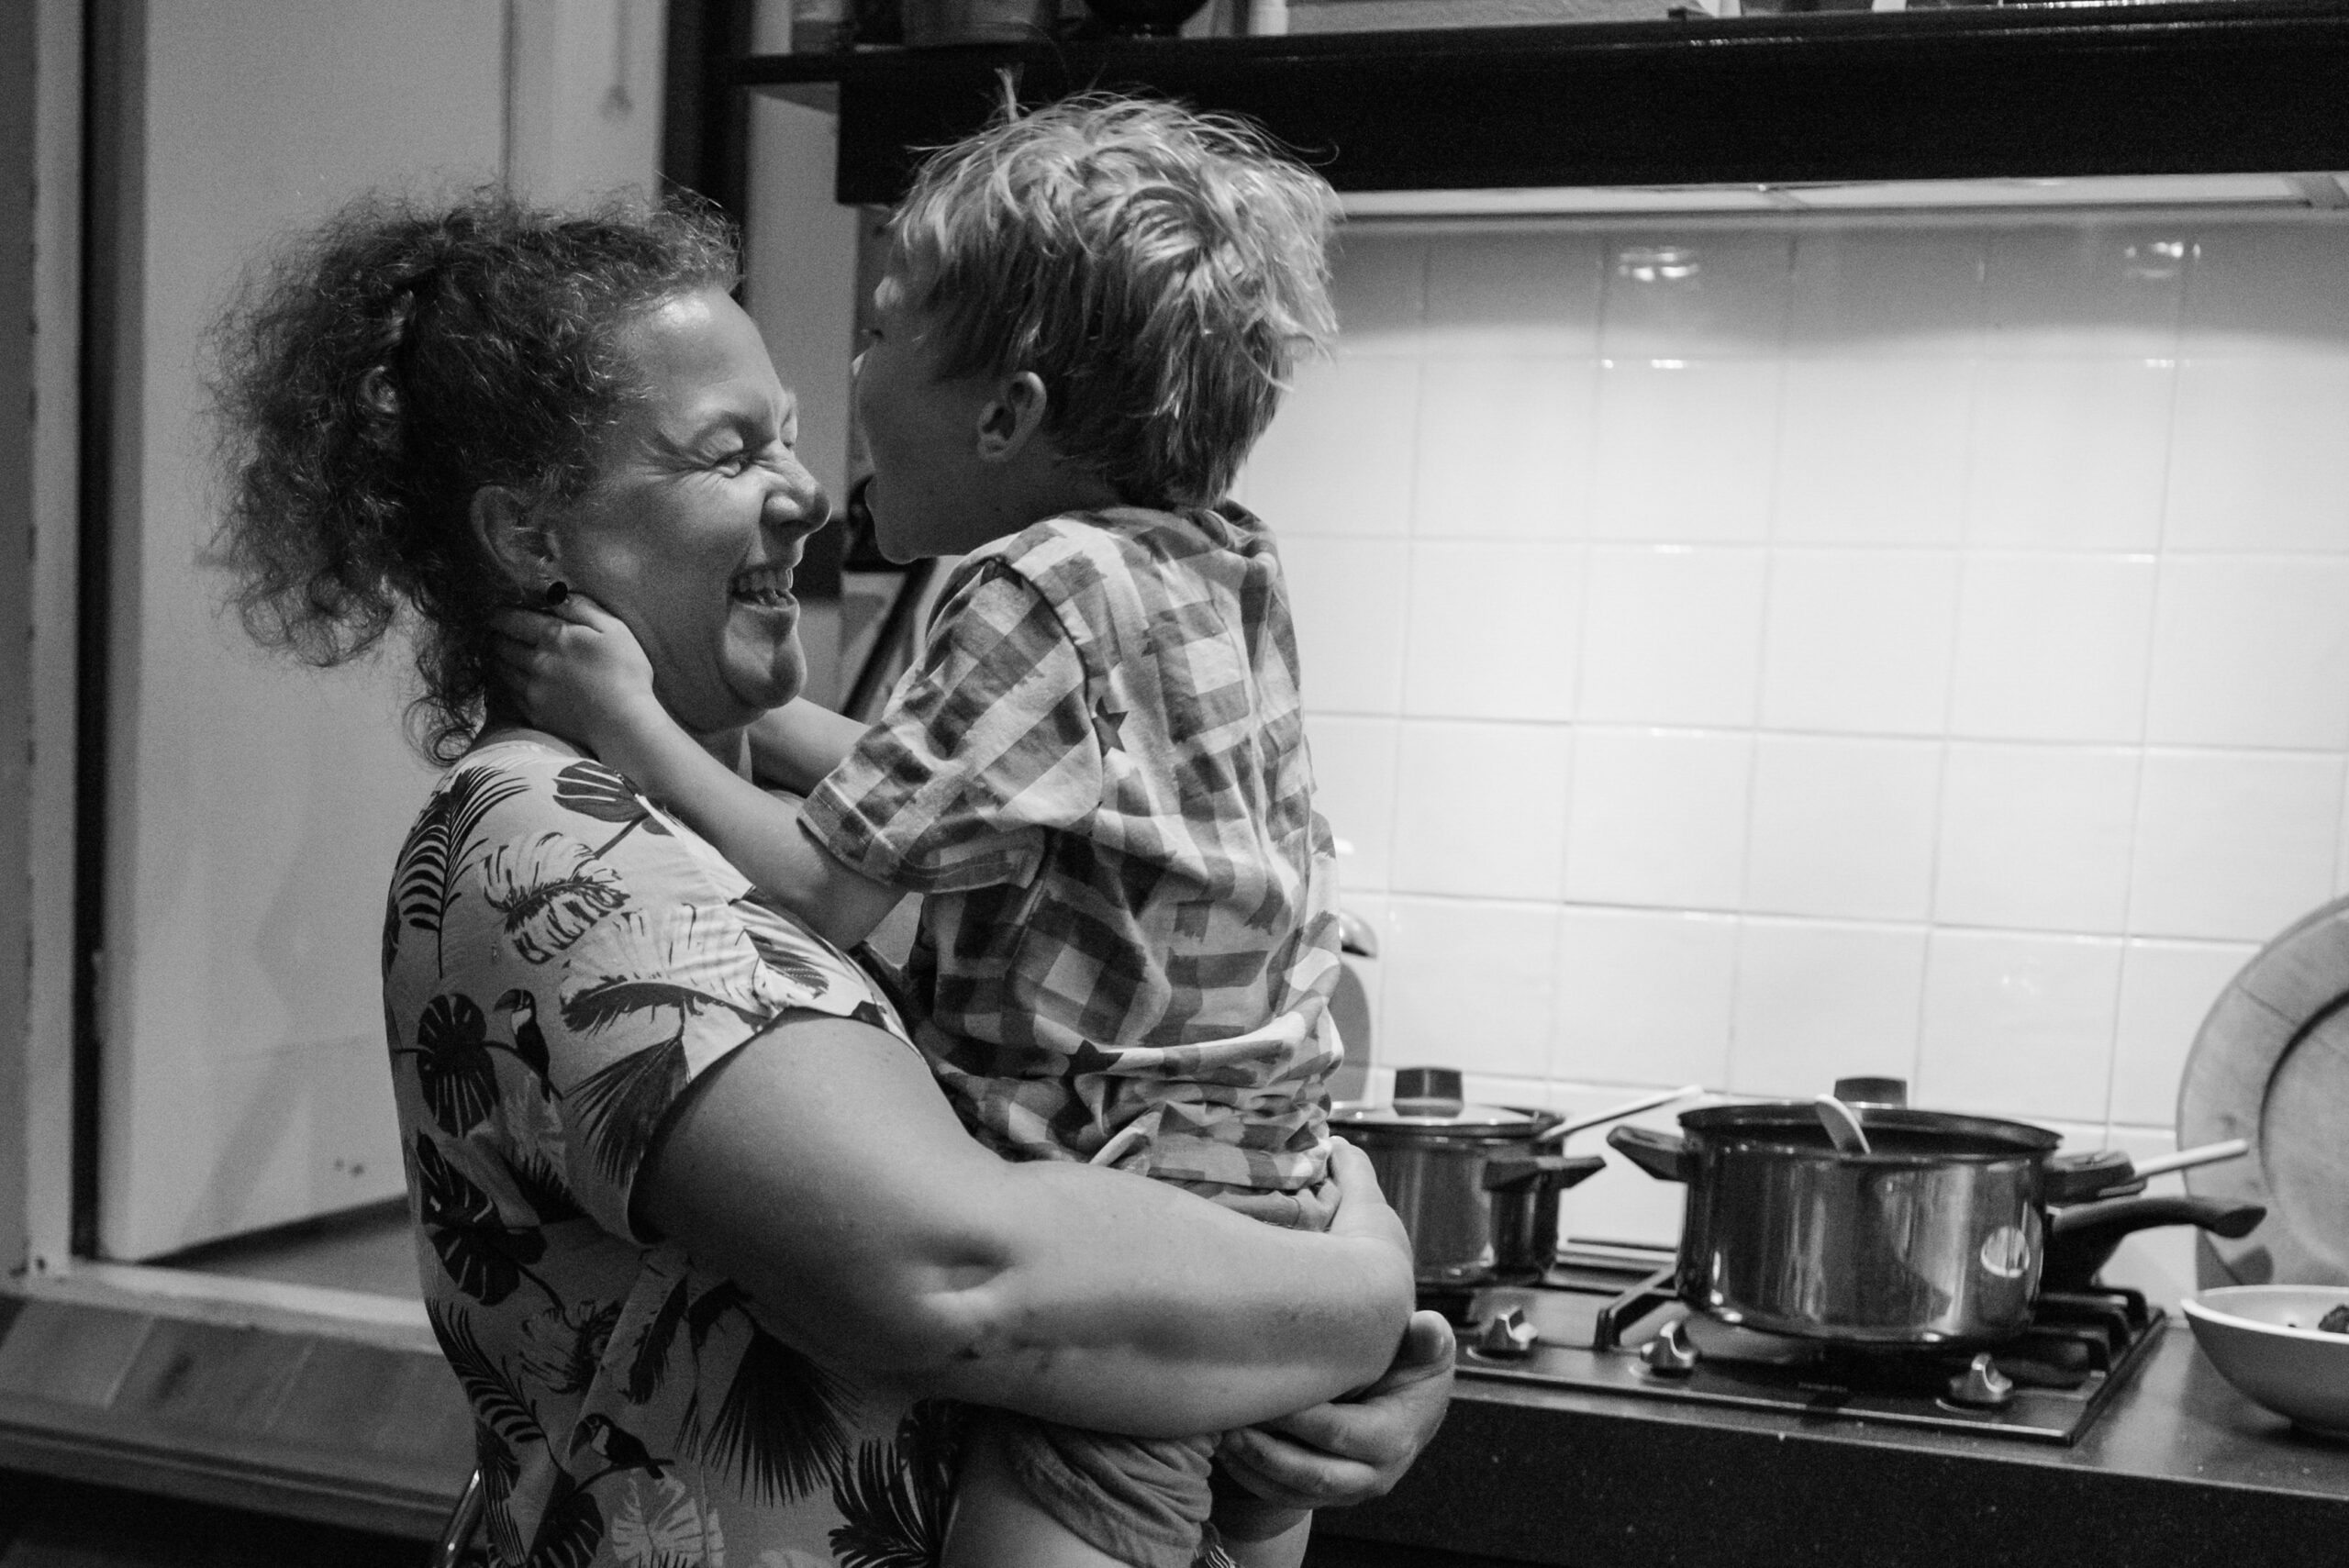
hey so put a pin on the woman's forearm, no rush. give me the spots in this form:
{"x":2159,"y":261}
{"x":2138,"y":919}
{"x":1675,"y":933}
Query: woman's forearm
{"x":1131,"y":1305}
{"x":822,"y":1170}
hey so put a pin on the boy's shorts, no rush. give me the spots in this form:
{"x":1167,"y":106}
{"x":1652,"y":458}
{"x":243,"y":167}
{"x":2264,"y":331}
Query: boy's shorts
{"x":1144,"y":1501}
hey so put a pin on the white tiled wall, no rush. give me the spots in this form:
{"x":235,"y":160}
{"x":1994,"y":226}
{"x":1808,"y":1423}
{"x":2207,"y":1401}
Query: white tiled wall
{"x":1758,"y":653}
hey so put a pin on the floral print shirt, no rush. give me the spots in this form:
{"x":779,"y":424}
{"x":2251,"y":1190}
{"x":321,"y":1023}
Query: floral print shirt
{"x":560,"y":959}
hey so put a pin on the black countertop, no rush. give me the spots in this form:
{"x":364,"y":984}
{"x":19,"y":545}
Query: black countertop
{"x":2179,"y":1470}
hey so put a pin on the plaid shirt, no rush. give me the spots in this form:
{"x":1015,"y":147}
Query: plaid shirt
{"x":1096,"y":774}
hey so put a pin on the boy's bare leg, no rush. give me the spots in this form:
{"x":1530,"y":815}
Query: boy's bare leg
{"x":1257,"y":1534}
{"x":996,"y":1524}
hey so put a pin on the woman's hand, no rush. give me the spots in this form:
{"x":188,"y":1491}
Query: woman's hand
{"x":1363,"y":1210}
{"x":1335,"y":1455}
{"x":575,"y":671}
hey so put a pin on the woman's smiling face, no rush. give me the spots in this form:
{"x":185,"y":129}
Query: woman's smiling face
{"x":692,"y":528}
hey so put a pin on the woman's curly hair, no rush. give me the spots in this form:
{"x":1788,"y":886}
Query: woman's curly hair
{"x":381,"y":369}
{"x":1160,"y":270}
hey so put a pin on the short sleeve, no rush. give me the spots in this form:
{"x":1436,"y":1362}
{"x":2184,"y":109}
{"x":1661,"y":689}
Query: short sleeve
{"x":595,"y":957}
{"x":988,"y":744}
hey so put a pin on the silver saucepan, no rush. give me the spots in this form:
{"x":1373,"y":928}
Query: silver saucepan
{"x":1477,"y":1185}
{"x":1936,"y":1235}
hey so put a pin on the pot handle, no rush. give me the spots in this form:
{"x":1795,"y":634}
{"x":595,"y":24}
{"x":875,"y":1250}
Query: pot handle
{"x":1532,"y":1172}
{"x":2119,"y":1216}
{"x":2075,"y":1178}
{"x":2081,"y":1240}
{"x":1664,"y":1155}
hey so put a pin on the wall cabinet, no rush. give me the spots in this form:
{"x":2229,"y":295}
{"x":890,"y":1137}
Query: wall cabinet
{"x":1973,"y":93}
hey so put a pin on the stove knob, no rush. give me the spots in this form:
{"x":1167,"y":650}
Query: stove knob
{"x":1982,"y":1387}
{"x":1671,"y":1353}
{"x":1506,"y":1335}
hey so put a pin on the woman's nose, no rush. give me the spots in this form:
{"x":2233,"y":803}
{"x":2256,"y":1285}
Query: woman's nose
{"x":798,"y":503}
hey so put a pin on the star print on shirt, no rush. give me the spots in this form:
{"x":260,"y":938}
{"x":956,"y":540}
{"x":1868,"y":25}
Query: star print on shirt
{"x":1108,"y":727}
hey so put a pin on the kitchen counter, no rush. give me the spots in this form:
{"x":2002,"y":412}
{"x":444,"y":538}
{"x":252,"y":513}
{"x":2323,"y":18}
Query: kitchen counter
{"x":2179,"y":1470}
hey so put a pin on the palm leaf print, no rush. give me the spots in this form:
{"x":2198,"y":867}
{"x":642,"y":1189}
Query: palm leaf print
{"x":781,"y":1430}
{"x":391,"y":944}
{"x":776,"y":953}
{"x":693,"y":961}
{"x":621,"y":1105}
{"x":594,"y":790}
{"x":499,"y":1471}
{"x":672,"y":1528}
{"x":484,"y":1256}
{"x":500,"y":1412}
{"x":548,"y":892}
{"x":569,"y":1529}
{"x":438,"y":843}
{"x":540,"y":1184}
{"x":452,"y":1064}
{"x":895,"y":1501}
{"x":649,"y":1368}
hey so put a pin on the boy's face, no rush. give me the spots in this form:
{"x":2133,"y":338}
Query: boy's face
{"x":929,"y":491}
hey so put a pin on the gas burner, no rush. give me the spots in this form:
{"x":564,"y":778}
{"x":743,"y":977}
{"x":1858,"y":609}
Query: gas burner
{"x":1606,"y":1319}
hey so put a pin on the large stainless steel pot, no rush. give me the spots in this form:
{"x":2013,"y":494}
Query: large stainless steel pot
{"x":1477,"y":1193}
{"x":1935,"y":1236}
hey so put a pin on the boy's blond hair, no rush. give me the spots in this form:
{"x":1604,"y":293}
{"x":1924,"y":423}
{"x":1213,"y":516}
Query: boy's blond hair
{"x":1160,"y":270}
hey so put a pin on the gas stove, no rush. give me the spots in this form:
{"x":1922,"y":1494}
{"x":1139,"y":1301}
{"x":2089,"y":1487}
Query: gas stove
{"x":1606,"y":1320}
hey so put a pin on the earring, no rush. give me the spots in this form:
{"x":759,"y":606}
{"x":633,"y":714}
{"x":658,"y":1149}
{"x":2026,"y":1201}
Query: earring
{"x":557,"y":590}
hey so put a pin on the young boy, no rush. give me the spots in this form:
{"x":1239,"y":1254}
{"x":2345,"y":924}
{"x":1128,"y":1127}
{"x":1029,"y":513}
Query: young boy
{"x":1096,"y":774}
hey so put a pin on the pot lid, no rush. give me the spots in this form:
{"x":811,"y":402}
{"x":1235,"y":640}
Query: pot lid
{"x":1892,"y":1130}
{"x":1428,"y":1100}
{"x":1491,"y":1122}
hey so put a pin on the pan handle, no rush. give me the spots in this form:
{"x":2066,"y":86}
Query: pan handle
{"x":1531,"y":1172}
{"x":1664,"y":1155}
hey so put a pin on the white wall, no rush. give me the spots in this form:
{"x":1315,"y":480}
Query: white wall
{"x":256,"y":807}
{"x":800,"y":261}
{"x":1751,"y":653}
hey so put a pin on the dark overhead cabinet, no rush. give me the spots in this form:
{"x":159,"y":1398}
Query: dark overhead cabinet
{"x":1976,"y":92}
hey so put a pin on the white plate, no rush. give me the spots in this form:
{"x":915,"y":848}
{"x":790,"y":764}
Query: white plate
{"x":2271,"y":1065}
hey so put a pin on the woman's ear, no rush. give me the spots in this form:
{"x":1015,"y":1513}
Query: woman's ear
{"x":509,"y":529}
{"x":1013,"y":418}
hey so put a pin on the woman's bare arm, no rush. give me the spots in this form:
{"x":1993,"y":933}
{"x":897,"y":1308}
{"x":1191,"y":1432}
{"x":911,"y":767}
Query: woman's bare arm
{"x":821,"y":1169}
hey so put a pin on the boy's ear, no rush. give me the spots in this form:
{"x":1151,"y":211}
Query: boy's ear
{"x":1013,"y":418}
{"x":508,"y":529}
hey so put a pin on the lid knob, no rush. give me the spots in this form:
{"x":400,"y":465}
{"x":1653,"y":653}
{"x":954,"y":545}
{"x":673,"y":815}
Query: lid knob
{"x":1872,"y":1091}
{"x":1427,"y":1090}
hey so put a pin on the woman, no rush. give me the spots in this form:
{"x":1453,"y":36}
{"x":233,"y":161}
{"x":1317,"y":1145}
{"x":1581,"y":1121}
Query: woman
{"x":698,"y":1235}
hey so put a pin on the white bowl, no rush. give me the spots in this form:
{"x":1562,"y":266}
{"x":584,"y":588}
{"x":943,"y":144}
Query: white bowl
{"x":2263,"y":1340}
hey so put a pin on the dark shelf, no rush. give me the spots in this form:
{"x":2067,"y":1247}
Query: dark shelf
{"x":1981,"y":92}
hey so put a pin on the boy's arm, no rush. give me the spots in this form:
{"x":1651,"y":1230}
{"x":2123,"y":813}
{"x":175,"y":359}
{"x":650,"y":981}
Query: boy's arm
{"x":758,"y":833}
{"x":793,"y":746}
{"x":591,"y":682}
